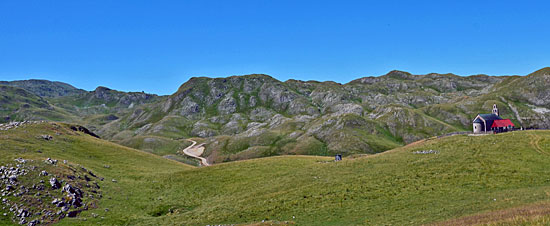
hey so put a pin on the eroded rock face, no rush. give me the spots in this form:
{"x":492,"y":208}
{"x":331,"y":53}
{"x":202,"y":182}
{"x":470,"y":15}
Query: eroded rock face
{"x":341,"y":109}
{"x":232,"y":127}
{"x":218,"y":88}
{"x":252,"y":101}
{"x":261,"y":114}
{"x":202,"y":129}
{"x":328,"y":98}
{"x":534,"y":89}
{"x":302,"y":107}
{"x":278,"y":95}
{"x":227,"y":106}
{"x":143,"y":129}
{"x":189,"y":108}
{"x":277,"y":120}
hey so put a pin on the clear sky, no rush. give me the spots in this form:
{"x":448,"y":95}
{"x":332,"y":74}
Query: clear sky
{"x":155,"y":46}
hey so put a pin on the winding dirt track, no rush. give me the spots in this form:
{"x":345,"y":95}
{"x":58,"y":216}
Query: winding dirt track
{"x":196,"y":152}
{"x":535,"y":143}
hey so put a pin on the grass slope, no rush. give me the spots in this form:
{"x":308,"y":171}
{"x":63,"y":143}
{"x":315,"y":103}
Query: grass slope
{"x":135,"y":171}
{"x":468,"y":176}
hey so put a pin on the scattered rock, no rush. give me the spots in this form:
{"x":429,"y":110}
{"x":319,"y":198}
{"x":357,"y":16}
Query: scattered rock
{"x":73,"y":213}
{"x":14,"y":125}
{"x":51,"y":161}
{"x":74,"y":195}
{"x":46,"y":137}
{"x":84,"y":130}
{"x":23,"y":213}
{"x":55,"y":183}
{"x":12,"y":178}
{"x":56,"y":201}
{"x":426,"y":152}
{"x":60,"y":204}
{"x":20,"y":160}
{"x":27,"y":199}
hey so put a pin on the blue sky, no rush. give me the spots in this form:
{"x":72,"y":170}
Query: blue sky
{"x":155,"y":46}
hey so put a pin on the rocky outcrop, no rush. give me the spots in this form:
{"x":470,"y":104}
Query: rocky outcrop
{"x":189,"y":108}
{"x":23,"y":189}
{"x":203,"y":129}
{"x":228,"y":105}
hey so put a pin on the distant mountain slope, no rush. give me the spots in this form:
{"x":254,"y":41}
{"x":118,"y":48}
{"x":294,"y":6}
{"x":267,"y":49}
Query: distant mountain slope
{"x":45,"y":88}
{"x":256,"y":115}
{"x":17,"y":104}
{"x":242,"y":117}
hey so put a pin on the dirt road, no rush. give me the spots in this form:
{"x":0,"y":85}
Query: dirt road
{"x":196,"y":152}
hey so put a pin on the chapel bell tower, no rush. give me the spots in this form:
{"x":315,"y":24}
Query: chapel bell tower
{"x":495,"y":109}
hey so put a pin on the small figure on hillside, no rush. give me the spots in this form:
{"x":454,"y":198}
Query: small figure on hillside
{"x":337,"y":158}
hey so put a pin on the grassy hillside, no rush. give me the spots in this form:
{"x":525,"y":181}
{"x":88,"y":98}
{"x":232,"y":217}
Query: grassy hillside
{"x":135,"y":172}
{"x":17,"y":104}
{"x":45,"y":88}
{"x":460,"y":176}
{"x":467,"y":175}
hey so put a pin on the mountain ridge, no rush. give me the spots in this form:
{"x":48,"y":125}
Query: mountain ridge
{"x":256,"y":115}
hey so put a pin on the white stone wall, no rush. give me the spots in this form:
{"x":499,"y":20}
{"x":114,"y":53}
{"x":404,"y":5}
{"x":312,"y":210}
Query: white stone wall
{"x":477,"y":127}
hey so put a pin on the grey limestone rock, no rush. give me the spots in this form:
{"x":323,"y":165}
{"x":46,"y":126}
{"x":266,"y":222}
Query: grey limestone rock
{"x":55,"y":183}
{"x":227,"y":106}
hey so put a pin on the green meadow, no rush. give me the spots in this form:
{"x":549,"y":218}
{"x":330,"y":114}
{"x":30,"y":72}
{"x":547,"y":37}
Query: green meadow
{"x":432,"y":181}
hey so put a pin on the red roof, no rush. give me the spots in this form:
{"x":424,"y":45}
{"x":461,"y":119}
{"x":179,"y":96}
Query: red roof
{"x":502,"y":123}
